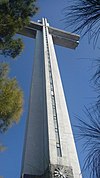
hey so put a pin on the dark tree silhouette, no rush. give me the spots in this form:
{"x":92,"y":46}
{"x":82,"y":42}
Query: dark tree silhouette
{"x":84,"y":16}
{"x":89,"y":132}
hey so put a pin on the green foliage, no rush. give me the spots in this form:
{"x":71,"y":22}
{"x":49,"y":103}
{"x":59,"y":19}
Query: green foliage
{"x":14,"y":15}
{"x":11,"y":48}
{"x":2,"y":148}
{"x":4,"y":69}
{"x":11,"y":101}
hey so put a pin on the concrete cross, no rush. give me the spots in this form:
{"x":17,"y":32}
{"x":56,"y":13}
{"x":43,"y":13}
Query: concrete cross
{"x":49,"y":148}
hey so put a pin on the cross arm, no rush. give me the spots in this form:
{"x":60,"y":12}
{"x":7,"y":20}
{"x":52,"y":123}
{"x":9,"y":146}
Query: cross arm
{"x":60,"y":37}
{"x":30,"y":30}
{"x":63,"y":38}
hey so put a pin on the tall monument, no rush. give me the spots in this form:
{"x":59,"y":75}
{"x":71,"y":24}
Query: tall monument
{"x":49,"y":148}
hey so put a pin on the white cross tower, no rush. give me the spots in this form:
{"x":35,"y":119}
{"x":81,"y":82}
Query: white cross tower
{"x":49,"y":149}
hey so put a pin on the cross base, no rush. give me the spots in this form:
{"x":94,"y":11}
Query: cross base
{"x":54,"y":171}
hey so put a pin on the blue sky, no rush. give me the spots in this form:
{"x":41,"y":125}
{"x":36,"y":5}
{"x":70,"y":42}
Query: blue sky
{"x":76,"y":67}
